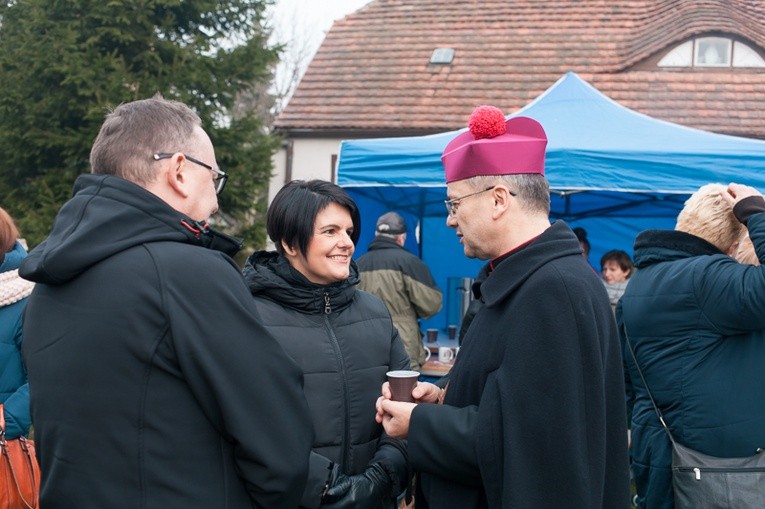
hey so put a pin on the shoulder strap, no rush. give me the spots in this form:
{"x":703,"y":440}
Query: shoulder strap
{"x":648,"y":390}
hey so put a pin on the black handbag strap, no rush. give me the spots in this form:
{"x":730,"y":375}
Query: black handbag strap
{"x":647,"y":389}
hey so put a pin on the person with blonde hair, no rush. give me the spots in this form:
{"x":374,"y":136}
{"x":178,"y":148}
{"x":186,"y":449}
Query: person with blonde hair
{"x":14,"y":293}
{"x":694,"y":317}
{"x":708,"y":215}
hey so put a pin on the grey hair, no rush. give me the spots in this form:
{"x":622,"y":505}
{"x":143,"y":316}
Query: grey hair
{"x":133,"y":132}
{"x":393,"y":236}
{"x":532,"y":189}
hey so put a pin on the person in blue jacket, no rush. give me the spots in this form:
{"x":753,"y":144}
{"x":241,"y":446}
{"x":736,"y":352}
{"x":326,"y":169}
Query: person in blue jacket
{"x":14,"y":291}
{"x":695,"y":318}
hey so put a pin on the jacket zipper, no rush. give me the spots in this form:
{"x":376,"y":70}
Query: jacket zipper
{"x":346,"y":452}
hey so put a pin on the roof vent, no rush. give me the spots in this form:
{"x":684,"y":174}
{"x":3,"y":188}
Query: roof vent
{"x":442,"y":56}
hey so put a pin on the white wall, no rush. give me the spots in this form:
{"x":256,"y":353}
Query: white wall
{"x":311,"y":159}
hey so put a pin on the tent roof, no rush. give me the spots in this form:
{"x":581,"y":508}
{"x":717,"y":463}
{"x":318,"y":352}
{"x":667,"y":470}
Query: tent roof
{"x":608,"y":156}
{"x":611,"y":170}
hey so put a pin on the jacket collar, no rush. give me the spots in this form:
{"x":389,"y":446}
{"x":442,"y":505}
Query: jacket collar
{"x":653,"y":246}
{"x":108,"y":215}
{"x":213,"y":239}
{"x":270,"y":275}
{"x":557,"y":241}
{"x":383,"y":243}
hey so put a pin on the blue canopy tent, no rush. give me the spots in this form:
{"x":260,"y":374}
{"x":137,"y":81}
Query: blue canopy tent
{"x":612,"y":170}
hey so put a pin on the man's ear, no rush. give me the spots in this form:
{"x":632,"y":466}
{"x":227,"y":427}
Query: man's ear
{"x":176,"y":176}
{"x":501,"y":198}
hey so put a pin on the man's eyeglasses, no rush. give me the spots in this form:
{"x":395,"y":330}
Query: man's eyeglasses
{"x":451,"y":205}
{"x":220,"y":176}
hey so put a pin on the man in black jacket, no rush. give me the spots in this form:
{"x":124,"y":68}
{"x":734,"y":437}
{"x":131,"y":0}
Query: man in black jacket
{"x":152,"y":382}
{"x":533,"y":415}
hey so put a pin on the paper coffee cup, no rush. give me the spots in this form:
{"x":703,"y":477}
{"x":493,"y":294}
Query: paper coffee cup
{"x":402,"y":383}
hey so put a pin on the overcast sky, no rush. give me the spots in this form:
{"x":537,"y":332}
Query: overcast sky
{"x":297,"y":21}
{"x":302,"y":25}
{"x":316,"y":15}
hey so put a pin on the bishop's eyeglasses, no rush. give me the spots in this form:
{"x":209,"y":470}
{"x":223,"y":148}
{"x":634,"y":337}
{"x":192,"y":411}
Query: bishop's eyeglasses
{"x":451,"y":205}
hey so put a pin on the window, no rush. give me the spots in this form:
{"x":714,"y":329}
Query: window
{"x":679,"y":57}
{"x":712,"y":52}
{"x":442,"y":56}
{"x":744,"y":56}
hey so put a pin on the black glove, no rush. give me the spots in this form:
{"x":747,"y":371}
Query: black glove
{"x":392,"y":455}
{"x":369,"y":490}
{"x":748,"y":207}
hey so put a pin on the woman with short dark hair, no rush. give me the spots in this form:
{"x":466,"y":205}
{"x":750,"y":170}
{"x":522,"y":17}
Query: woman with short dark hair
{"x":342,"y":338}
{"x":616,"y":269}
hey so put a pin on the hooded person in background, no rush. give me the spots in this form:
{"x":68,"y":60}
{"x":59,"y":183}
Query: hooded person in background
{"x":533,"y":415}
{"x":153,"y":382}
{"x":402,"y":281}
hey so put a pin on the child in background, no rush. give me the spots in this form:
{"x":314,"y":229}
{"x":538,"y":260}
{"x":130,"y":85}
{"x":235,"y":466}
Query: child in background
{"x":616,"y":268}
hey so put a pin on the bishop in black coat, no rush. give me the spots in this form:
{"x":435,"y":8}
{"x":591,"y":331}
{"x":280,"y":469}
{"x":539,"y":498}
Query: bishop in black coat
{"x":534,"y":413}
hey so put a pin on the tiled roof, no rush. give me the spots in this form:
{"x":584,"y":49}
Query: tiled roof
{"x":371,"y":73}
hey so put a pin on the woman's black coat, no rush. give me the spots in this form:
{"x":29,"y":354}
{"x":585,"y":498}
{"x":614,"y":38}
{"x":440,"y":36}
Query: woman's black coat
{"x":344,"y":341}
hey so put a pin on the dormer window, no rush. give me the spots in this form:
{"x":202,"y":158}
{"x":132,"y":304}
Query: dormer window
{"x":712,"y":52}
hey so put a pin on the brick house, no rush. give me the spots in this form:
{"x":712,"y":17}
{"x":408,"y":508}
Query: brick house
{"x":413,"y":67}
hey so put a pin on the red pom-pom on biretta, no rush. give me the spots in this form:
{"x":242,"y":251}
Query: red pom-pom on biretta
{"x":487,"y":122}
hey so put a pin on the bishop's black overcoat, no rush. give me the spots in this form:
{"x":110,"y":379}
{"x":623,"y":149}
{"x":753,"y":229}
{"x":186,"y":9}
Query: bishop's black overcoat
{"x":534,"y":414}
